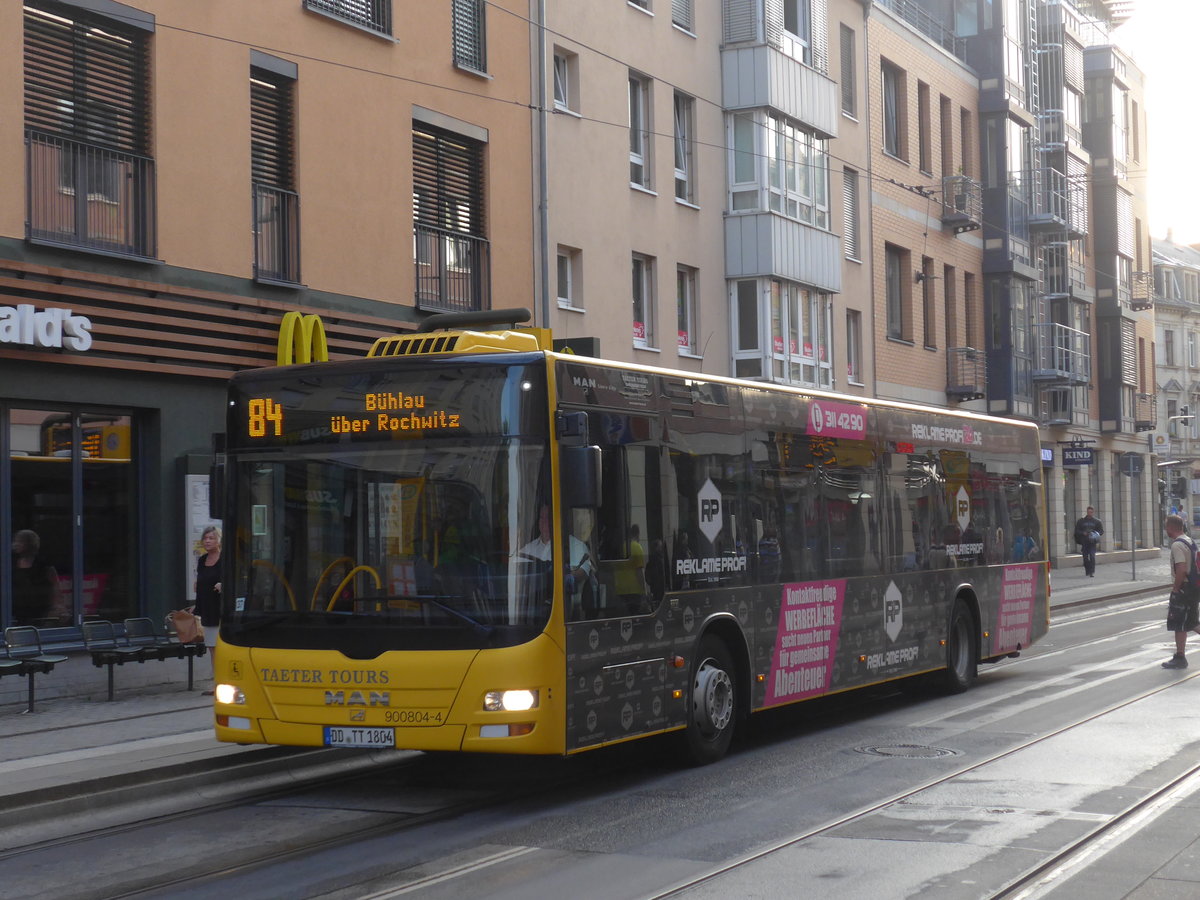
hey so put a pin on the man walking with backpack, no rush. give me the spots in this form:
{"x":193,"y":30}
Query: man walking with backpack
{"x":1183,"y":609}
{"x":1087,"y":535}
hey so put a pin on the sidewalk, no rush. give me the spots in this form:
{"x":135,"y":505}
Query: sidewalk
{"x":77,"y":752}
{"x":1070,"y":587}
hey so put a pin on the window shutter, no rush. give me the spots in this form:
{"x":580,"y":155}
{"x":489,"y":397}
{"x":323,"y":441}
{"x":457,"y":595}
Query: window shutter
{"x":270,"y":130}
{"x":741,"y":21}
{"x":681,"y":13}
{"x":819,"y":35}
{"x":850,"y":213}
{"x":447,"y":181}
{"x":87,"y":80}
{"x":849,"y":80}
{"x":1128,"y":352}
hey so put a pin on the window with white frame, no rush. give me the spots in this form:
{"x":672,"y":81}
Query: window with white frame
{"x":685,"y":310}
{"x":566,"y":76}
{"x":1193,"y":351}
{"x":854,"y":370}
{"x":747,"y":354}
{"x":799,"y":335}
{"x":744,"y":167}
{"x":569,"y":281}
{"x":1169,"y":347}
{"x":685,"y":156}
{"x":683,"y":15}
{"x":795,"y":321}
{"x":797,"y":22}
{"x":640,"y":4}
{"x":639,"y":131}
{"x":643,"y":300}
{"x":797,"y":173}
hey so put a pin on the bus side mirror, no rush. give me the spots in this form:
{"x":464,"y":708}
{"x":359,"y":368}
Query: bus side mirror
{"x":581,"y":479}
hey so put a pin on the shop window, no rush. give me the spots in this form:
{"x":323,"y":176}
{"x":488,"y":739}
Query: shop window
{"x":72,"y":501}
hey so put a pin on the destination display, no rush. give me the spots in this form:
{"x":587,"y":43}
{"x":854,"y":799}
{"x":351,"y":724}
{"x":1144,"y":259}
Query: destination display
{"x":388,"y":405}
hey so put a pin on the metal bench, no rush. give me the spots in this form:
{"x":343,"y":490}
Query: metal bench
{"x":108,"y":648}
{"x":154,"y":643}
{"x":23,"y":644}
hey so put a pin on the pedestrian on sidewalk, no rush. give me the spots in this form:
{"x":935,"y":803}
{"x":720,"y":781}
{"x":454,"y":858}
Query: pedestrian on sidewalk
{"x":208,"y":588}
{"x":1183,"y":609}
{"x":1087,"y":535}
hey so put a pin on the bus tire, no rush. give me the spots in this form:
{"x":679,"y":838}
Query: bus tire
{"x":962,"y":662}
{"x":712,"y":702}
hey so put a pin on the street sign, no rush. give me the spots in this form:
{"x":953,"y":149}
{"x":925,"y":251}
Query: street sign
{"x":1132,"y":464}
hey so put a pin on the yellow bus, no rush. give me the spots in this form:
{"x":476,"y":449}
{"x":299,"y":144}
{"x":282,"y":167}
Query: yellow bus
{"x":469,"y":541}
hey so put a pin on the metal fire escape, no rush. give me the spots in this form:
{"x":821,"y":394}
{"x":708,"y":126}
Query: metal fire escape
{"x":1058,"y":219}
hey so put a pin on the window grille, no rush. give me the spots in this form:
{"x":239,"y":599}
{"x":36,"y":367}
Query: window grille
{"x":470,"y":34}
{"x":375,"y":15}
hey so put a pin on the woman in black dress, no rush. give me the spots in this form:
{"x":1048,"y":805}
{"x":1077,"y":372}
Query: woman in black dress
{"x":208,"y":585}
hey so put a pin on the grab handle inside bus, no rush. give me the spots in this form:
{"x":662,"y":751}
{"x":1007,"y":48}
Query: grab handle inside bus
{"x":581,"y":480}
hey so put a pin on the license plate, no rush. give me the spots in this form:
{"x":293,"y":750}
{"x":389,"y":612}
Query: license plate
{"x":338,"y":736}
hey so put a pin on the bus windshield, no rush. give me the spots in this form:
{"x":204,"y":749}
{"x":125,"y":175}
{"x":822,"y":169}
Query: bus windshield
{"x":365,"y":545}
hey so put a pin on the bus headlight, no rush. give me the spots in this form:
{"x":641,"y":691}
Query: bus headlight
{"x":510,"y":701}
{"x":229,"y":693}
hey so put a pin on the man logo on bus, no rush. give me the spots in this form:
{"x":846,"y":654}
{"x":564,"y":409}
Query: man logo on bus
{"x":893,"y":612}
{"x":962,"y":508}
{"x":709,"y":502}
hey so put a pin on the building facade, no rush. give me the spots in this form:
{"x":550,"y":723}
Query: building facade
{"x":1176,"y":440}
{"x":183,"y":177}
{"x":917,"y":199}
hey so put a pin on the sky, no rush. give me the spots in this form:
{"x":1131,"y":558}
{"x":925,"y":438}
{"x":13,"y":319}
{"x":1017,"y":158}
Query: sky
{"x":1163,"y":38}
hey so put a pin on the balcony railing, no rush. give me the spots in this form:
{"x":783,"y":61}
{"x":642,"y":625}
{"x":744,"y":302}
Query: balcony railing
{"x":1145,"y":415}
{"x":453,"y":270}
{"x":962,"y":203}
{"x":276,"y":235}
{"x":1063,"y":353}
{"x":1141,"y":291}
{"x":915,"y":15}
{"x":966,"y":373}
{"x":88,"y":197}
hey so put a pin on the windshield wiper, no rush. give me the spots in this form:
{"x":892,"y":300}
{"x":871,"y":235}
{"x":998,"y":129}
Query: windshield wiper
{"x":478,"y":627}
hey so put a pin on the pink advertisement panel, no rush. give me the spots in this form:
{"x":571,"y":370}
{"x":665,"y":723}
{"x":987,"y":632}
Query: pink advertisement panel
{"x":810,"y":620}
{"x":828,"y":418}
{"x":1018,"y":589}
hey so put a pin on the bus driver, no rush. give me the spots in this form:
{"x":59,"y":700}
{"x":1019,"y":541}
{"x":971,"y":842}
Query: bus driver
{"x":581,"y":569}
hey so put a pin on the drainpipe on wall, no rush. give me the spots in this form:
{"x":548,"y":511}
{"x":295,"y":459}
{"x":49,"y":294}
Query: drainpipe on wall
{"x":543,"y":162}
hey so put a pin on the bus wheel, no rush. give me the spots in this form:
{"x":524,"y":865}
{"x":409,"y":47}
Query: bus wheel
{"x":713,"y":714}
{"x":961,"y":662}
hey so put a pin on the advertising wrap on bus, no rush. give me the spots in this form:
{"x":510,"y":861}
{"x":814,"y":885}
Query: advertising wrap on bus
{"x":527,"y":552}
